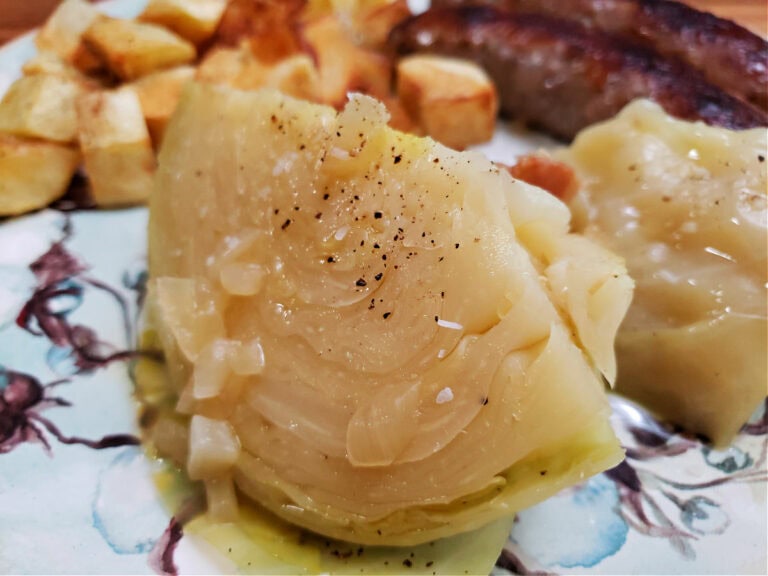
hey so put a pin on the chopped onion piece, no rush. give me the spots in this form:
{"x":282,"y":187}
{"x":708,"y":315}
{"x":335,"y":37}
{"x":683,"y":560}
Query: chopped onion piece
{"x":221,"y":499}
{"x":247,"y":359}
{"x":213,"y":448}
{"x":211,"y":369}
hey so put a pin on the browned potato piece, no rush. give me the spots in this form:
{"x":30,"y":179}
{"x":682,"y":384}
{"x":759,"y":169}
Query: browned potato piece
{"x":295,"y":76}
{"x":541,"y":170}
{"x":269,"y":27}
{"x":133,"y":49}
{"x":238,"y":68}
{"x":33,"y":173}
{"x":116,"y":147}
{"x":87,"y":60}
{"x":195,"y":20}
{"x":453,"y":100}
{"x":373,"y":23}
{"x":399,"y":119}
{"x":344,"y":66}
{"x":63,"y":30}
{"x":41,"y":106}
{"x":158,"y":95}
{"x":50,"y":63}
{"x":45,"y":62}
{"x":234,"y":67}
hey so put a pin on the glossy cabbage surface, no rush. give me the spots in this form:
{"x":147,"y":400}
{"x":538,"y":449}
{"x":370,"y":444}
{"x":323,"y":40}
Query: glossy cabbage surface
{"x":685,"y":205}
{"x":375,"y":337}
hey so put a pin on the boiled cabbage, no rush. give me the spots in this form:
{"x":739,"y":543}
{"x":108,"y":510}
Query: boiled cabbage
{"x":685,"y":204}
{"x":392,"y":341}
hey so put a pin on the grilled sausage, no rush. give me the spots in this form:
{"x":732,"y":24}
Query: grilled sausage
{"x":728,"y":55}
{"x":560,"y":77}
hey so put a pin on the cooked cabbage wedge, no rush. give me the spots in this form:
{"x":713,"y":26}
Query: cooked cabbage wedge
{"x":685,"y":204}
{"x":373,"y":336}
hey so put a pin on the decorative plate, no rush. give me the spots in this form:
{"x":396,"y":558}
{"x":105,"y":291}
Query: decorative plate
{"x":77,"y":493}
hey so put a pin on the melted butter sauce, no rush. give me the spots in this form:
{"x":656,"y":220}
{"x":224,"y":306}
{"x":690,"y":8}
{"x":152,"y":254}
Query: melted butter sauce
{"x":259,"y":543}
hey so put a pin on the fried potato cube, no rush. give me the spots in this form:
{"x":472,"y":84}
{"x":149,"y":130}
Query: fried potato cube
{"x":116,"y":147}
{"x":41,"y":106}
{"x":33,"y":173}
{"x":399,"y":119}
{"x":134,"y":49}
{"x":373,"y":23}
{"x":87,"y":60}
{"x":269,"y":27}
{"x":158,"y":94}
{"x":344,"y":66}
{"x":194,"y":20}
{"x":295,"y":76}
{"x":63,"y":30}
{"x":541,"y":170}
{"x":238,"y":68}
{"x":453,"y":100}
{"x":50,"y":63}
{"x":46,"y":62}
{"x":234,"y":67}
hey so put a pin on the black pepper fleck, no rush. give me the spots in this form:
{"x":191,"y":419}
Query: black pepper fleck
{"x":543,"y":473}
{"x":428,"y":564}
{"x":760,"y":158}
{"x":361,"y":282}
{"x":398,"y":158}
{"x":407,"y":563}
{"x":286,"y":224}
{"x":330,"y":260}
{"x":377,"y":215}
{"x":378,"y":276}
{"x":386,"y":315}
